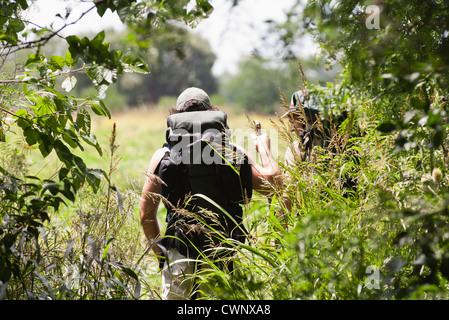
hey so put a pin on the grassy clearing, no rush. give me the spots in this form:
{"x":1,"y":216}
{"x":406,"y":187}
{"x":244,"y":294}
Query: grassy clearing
{"x":139,"y":133}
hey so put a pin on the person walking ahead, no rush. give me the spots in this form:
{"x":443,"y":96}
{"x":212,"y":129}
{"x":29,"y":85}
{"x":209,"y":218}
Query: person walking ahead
{"x":203,"y":180}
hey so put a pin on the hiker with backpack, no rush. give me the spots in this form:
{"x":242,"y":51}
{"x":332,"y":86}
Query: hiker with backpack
{"x":303,"y":115}
{"x":203,"y":181}
{"x":315,"y":125}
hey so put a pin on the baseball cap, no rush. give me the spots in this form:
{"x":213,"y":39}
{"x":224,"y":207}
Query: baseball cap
{"x":298,"y":98}
{"x":193,"y":93}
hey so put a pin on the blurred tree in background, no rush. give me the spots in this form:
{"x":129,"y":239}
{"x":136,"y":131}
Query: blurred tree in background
{"x":178,"y":59}
{"x":257,"y":85}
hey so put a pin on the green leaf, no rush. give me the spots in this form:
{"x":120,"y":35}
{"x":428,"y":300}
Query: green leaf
{"x":15,"y":26}
{"x":52,"y":123}
{"x":205,"y":6}
{"x":105,"y":250}
{"x":132,"y":63}
{"x":23,"y":4}
{"x":45,"y":149}
{"x":101,"y":75}
{"x":418,"y":103}
{"x":96,"y":109}
{"x":83,"y":121}
{"x":68,"y":194}
{"x":98,"y":39}
{"x":63,"y":172}
{"x":21,"y":113}
{"x":42,"y":107}
{"x":92,"y":140}
{"x":99,"y":108}
{"x":105,"y":109}
{"x":102,"y":6}
{"x":71,"y":139}
{"x":57,"y":62}
{"x":23,"y":123}
{"x":31,"y":135}
{"x":79,"y":163}
{"x":34,"y":58}
{"x":69,"y":60}
{"x":53,"y":187}
{"x":93,"y":177}
{"x":63,"y":152}
{"x":74,"y":46}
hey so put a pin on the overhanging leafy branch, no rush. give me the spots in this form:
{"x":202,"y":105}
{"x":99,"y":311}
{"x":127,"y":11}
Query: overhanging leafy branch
{"x":36,"y":101}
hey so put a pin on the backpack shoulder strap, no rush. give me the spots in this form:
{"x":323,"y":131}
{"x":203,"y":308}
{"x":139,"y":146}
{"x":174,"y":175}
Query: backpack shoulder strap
{"x":165,"y":152}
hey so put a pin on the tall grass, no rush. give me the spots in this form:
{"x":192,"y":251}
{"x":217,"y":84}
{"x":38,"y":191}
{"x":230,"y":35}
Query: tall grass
{"x":387,"y":239}
{"x":90,"y":249}
{"x":314,"y":251}
{"x":383,"y":240}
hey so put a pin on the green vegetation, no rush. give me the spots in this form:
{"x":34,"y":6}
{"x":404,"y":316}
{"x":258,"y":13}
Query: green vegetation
{"x":71,"y":173}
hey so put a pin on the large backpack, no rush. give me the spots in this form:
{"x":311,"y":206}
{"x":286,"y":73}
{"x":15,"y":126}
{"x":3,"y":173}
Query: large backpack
{"x":205,"y":180}
{"x":324,"y":134}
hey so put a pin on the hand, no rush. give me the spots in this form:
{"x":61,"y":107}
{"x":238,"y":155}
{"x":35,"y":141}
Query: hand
{"x":262,"y":143}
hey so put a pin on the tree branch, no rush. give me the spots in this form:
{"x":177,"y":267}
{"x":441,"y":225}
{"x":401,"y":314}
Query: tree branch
{"x":55,"y":75}
{"x":14,"y":115}
{"x":11,"y":81}
{"x":42,"y":40}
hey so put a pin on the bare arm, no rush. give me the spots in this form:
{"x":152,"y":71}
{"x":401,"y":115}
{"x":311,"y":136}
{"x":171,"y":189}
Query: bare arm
{"x":269,"y":172}
{"x":150,"y":202}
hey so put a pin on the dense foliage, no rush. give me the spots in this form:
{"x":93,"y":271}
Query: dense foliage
{"x":74,"y":235}
{"x":400,"y":67}
{"x":36,"y":101}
